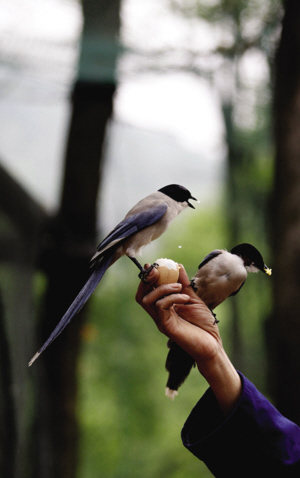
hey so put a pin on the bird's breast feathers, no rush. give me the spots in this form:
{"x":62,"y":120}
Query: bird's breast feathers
{"x":219,"y":278}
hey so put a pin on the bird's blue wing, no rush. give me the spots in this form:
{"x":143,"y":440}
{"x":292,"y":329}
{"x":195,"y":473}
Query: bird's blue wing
{"x":209,"y":257}
{"x":133,"y":224}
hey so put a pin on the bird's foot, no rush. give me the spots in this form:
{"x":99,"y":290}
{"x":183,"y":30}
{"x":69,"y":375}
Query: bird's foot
{"x":144,"y":272}
{"x":215,"y":317}
{"x":193,"y":285}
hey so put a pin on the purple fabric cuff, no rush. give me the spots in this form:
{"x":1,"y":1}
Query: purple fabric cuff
{"x":255,"y":435}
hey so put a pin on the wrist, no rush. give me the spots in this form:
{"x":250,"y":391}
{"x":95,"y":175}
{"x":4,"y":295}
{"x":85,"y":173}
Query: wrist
{"x":223,"y":379}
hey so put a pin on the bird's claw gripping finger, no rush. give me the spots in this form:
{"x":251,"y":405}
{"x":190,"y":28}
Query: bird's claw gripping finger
{"x":144,"y":272}
{"x":193,"y":285}
{"x":215,"y":317}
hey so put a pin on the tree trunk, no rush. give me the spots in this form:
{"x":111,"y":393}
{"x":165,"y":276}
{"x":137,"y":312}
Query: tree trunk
{"x":234,"y":213}
{"x":284,"y":327}
{"x":8,"y":429}
{"x":71,"y":241}
{"x":22,"y":222}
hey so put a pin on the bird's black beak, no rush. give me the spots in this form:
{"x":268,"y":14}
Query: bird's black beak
{"x":190,"y":205}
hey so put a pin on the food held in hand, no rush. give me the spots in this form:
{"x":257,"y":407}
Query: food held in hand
{"x":168,"y":271}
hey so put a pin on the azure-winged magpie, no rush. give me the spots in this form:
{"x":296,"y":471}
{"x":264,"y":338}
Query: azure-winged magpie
{"x":221,"y":274}
{"x":145,"y":222}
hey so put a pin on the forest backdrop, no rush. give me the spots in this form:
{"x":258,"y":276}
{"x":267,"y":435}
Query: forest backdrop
{"x":93,"y":404}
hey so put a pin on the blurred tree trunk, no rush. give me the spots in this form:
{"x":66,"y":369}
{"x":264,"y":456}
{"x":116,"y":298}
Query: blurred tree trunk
{"x":234,"y":206}
{"x":71,"y":243}
{"x":284,"y":328}
{"x":72,"y":240}
{"x":22,"y":222}
{"x":8,"y":426}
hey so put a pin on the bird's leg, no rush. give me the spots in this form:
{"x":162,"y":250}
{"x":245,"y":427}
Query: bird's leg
{"x":193,"y":285}
{"x":144,"y":272}
{"x":216,"y":320}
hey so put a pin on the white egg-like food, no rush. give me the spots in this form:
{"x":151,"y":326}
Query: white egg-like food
{"x":168,"y":271}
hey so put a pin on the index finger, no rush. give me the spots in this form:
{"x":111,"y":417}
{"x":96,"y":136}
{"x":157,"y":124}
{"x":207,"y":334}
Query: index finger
{"x":186,"y":283}
{"x":183,"y":277}
{"x":145,"y":287}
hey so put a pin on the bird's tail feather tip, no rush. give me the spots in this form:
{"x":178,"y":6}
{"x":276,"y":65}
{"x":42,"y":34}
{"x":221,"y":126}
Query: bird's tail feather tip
{"x":33,"y":359}
{"x":171,"y":394}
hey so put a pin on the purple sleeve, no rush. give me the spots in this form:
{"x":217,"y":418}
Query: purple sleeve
{"x":254,"y":440}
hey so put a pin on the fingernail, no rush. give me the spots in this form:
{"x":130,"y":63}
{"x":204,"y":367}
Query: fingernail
{"x":176,"y":286}
{"x":151,"y":273}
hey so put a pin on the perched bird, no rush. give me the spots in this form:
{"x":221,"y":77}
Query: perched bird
{"x":144,"y":223}
{"x":221,"y":274}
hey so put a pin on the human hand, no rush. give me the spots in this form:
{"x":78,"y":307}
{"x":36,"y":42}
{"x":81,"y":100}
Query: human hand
{"x":182,"y":316}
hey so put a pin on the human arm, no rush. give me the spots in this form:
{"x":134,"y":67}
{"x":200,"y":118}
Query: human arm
{"x":233,"y":428}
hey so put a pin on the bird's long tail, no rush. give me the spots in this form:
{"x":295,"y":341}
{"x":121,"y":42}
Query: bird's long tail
{"x":179,"y":364}
{"x":78,"y":302}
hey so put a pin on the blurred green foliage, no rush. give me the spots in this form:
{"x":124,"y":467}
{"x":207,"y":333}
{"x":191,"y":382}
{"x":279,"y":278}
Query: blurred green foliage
{"x":128,"y":427}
